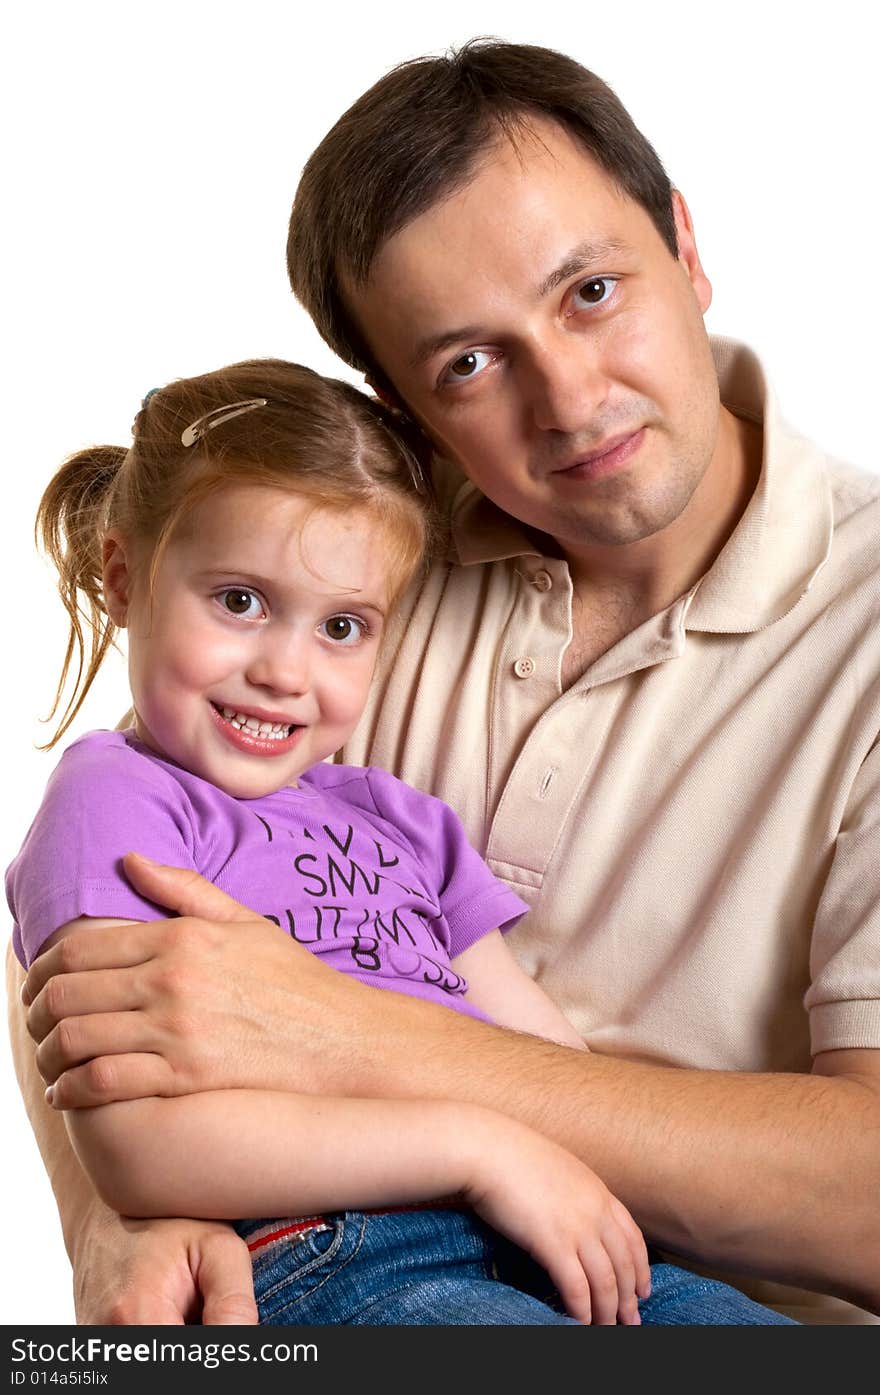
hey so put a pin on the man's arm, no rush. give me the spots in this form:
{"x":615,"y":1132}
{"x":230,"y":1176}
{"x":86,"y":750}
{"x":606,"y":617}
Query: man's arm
{"x":772,"y":1174}
{"x":775,"y":1175}
{"x":126,"y":1271}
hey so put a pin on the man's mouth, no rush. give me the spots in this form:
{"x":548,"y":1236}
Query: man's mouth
{"x":604,"y":459}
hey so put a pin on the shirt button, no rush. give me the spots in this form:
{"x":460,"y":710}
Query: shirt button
{"x":524,"y":668}
{"x":542,"y":581}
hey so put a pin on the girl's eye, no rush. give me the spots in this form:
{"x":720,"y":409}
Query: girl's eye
{"x":595,"y":291}
{"x":344,"y":629}
{"x":238,"y":601}
{"x":469,"y":365}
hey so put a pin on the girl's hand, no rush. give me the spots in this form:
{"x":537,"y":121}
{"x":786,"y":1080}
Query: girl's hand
{"x":554,"y":1207}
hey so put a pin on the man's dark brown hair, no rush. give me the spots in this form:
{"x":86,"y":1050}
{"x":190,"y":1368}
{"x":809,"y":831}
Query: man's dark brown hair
{"x":414,"y":138}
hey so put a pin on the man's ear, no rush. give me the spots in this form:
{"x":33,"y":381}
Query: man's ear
{"x":688,"y":254}
{"x":117,"y":573}
{"x":381,"y":387}
{"x":406,"y":419}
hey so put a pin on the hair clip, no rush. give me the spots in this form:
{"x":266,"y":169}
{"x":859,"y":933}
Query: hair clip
{"x":202,"y":425}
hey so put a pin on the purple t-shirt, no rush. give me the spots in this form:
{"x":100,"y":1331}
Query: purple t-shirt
{"x":376,"y":877}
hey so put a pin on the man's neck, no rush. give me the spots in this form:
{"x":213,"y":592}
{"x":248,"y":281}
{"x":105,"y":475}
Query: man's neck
{"x":617,"y":588}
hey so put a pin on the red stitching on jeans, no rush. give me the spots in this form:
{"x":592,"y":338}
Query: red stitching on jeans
{"x":310,"y":1224}
{"x":313,"y":1222}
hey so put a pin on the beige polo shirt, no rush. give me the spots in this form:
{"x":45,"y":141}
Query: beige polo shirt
{"x":695,"y":821}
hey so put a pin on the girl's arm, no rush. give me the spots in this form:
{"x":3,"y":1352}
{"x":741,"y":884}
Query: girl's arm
{"x":193,"y":1155}
{"x":228,"y":1153}
{"x":245,"y":1152}
{"x":508,"y":996}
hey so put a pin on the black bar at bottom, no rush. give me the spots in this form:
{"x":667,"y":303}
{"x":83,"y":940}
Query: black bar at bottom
{"x":546,"y":1360}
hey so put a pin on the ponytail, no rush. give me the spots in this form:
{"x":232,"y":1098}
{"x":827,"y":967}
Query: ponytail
{"x":69,"y":529}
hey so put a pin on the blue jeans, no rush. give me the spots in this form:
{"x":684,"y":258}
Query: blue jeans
{"x":444,"y":1267}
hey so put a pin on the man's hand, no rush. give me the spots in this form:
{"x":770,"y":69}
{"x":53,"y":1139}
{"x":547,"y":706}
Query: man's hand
{"x":217,"y":998}
{"x":159,"y":1273}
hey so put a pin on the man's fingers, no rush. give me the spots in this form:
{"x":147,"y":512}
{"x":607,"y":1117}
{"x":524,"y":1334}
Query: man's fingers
{"x":182,"y":890}
{"x":107,"y":1079}
{"x":72,"y":995}
{"x":143,"y":1309}
{"x":79,"y":1039}
{"x":105,"y":948}
{"x":225,"y":1279}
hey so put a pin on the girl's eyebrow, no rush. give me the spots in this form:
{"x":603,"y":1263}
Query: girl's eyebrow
{"x":228,"y":571}
{"x":246,"y":577}
{"x":585,"y":257}
{"x":361,"y":605}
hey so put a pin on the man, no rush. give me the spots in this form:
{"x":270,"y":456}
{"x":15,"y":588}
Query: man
{"x":644,"y":676}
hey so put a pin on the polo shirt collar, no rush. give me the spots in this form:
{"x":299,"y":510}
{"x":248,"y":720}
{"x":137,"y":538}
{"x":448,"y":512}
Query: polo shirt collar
{"x":774,"y":553}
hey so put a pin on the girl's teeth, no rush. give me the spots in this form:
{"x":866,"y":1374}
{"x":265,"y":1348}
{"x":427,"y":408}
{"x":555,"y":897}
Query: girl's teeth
{"x":274,"y":731}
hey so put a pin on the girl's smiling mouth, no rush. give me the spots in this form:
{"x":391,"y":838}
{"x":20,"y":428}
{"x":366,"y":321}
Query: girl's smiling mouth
{"x":255,"y":733}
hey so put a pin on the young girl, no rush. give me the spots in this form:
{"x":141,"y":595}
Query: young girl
{"x":252,"y":541}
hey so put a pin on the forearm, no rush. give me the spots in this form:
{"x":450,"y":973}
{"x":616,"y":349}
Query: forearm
{"x":78,"y":1204}
{"x":774,"y":1174}
{"x":230,"y":1153}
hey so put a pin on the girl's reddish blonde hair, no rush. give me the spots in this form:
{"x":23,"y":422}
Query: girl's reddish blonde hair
{"x":314,"y":436}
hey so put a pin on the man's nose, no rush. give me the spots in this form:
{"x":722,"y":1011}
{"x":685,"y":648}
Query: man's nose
{"x":281,"y":662}
{"x":564,"y":383}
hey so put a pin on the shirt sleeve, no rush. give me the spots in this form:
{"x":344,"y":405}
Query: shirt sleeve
{"x":844,"y":996}
{"x":103,"y":800}
{"x":472,"y":899}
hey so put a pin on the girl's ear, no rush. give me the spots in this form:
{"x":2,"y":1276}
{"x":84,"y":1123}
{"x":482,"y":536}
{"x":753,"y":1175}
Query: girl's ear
{"x":117,"y":577}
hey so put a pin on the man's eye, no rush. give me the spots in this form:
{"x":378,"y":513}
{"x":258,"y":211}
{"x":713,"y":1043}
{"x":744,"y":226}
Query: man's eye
{"x":344,"y":629}
{"x":594,"y":291}
{"x":470,"y":364}
{"x":241,"y":602}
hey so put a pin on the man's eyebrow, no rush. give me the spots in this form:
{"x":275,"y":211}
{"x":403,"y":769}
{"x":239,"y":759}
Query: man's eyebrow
{"x":584,"y":257}
{"x":427,"y":348}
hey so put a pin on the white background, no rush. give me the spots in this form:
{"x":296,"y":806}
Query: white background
{"x":152,"y":154}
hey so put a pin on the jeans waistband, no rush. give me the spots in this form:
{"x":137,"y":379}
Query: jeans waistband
{"x":265,"y":1235}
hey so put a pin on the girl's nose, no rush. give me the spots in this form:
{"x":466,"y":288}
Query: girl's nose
{"x":281,"y":663}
